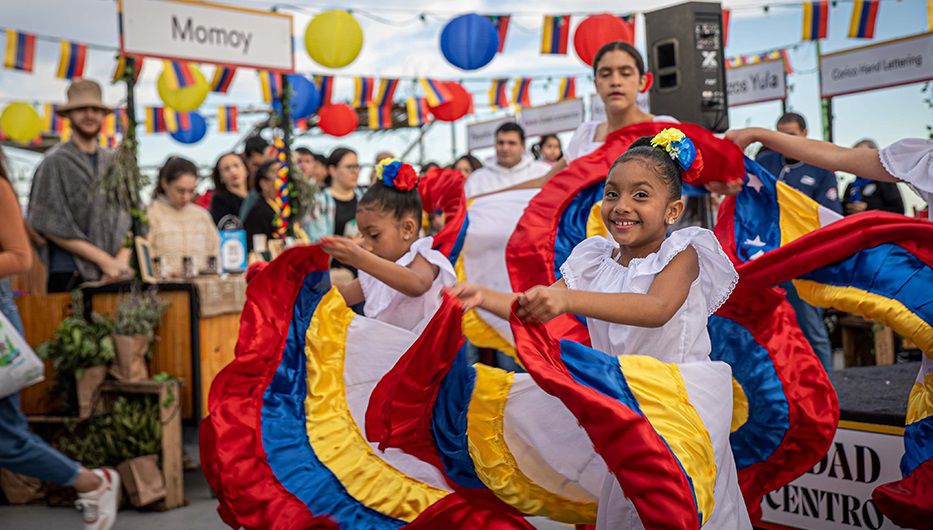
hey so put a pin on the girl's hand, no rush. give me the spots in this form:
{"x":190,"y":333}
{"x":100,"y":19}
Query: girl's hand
{"x":744,"y":137}
{"x":469,"y":295}
{"x":344,"y":250}
{"x":540,"y":304}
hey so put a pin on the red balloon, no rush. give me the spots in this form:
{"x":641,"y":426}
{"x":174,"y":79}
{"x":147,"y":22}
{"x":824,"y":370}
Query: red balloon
{"x":598,"y":30}
{"x":460,"y":103}
{"x":338,"y":119}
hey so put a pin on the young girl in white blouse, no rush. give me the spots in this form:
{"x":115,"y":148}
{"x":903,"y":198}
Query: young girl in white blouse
{"x":643,"y":292}
{"x":400,"y":275}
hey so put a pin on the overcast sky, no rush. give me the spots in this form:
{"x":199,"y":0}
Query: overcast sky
{"x":398,"y":43}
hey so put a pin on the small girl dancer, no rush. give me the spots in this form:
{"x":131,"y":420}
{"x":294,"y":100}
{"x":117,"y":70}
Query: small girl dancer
{"x":644,"y":293}
{"x":400,"y":275}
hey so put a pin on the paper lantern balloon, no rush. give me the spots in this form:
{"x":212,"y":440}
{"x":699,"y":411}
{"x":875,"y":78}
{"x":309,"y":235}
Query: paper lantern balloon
{"x":193,"y":134}
{"x":334,"y":38}
{"x":597,"y":30}
{"x":20,"y":122}
{"x":458,"y":105}
{"x":469,"y":41}
{"x":338,"y":120}
{"x":184,"y":99}
{"x":305,"y":97}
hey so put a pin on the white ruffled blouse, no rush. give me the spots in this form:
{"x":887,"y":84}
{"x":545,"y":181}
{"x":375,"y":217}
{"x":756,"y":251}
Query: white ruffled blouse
{"x":385,"y":304}
{"x":911,"y":160}
{"x":592,"y":267}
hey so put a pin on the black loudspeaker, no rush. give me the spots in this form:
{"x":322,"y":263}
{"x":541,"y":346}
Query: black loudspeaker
{"x":685,"y":54}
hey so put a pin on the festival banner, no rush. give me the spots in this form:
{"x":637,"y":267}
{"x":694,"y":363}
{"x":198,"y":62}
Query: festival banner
{"x":71,"y":60}
{"x":864,"y":16}
{"x":386,"y":92}
{"x":271,"y":85}
{"x":178,"y":74}
{"x":380,"y":116}
{"x":726,"y":15}
{"x":20,"y":51}
{"x":497,"y":95}
{"x":555,"y":34}
{"x":501,"y":22}
{"x":227,"y":118}
{"x":417,"y":109}
{"x":119,"y":69}
{"x":435,"y":91}
{"x":568,"y":89}
{"x":520,"y":92}
{"x":815,"y":20}
{"x":223,"y":77}
{"x":155,"y":120}
{"x":325,"y":85}
{"x":176,"y":121}
{"x":362,"y":91}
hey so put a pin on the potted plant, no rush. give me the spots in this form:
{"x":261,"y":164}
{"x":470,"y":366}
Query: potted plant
{"x":138,"y":313}
{"x":81,"y":352}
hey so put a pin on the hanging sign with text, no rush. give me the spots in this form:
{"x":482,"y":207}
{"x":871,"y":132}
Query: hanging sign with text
{"x":886,"y":64}
{"x":553,"y":118}
{"x":756,"y":83}
{"x":483,"y":134}
{"x":209,"y":33}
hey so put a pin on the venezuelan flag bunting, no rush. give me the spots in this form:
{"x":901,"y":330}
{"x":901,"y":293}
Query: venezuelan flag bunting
{"x":815,"y":20}
{"x":864,"y":16}
{"x":119,"y":69}
{"x":568,"y":89}
{"x":271,"y":85}
{"x":629,"y":20}
{"x":226,"y":118}
{"x":178,"y":74}
{"x":380,"y":116}
{"x":435,"y":91}
{"x":501,"y":22}
{"x":53,"y":122}
{"x":362,"y":91}
{"x":223,"y":76}
{"x":555,"y":34}
{"x":386,"y":92}
{"x":71,"y":60}
{"x":108,"y":131}
{"x":155,"y":120}
{"x":20,"y":51}
{"x":520,"y":96}
{"x":418,"y":113}
{"x":325,"y":85}
{"x":497,"y":96}
{"x":176,"y":121}
{"x":726,"y":15}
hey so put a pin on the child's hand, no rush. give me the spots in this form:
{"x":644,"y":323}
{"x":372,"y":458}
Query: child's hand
{"x":470,"y":296}
{"x":540,"y":304}
{"x":343,"y":249}
{"x":744,"y":137}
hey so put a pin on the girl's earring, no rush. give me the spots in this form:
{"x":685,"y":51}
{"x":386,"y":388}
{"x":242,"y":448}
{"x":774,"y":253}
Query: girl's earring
{"x":406,"y":237}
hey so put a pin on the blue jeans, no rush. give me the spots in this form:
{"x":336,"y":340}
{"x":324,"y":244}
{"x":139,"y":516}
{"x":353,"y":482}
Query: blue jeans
{"x":810,"y":320}
{"x":21,"y":451}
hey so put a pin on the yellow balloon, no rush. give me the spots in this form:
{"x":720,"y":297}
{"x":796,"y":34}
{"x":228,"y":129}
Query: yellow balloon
{"x":20,"y":122}
{"x":184,"y":99}
{"x":334,"y":38}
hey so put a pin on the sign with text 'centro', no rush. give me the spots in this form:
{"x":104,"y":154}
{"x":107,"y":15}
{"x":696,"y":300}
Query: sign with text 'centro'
{"x":886,"y":64}
{"x":756,"y":83}
{"x":210,"y":33}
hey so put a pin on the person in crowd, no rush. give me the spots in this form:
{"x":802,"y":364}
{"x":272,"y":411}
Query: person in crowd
{"x":178,"y":227}
{"x":255,"y":153}
{"x":21,"y":451}
{"x":548,"y":149}
{"x":865,"y":194}
{"x":320,"y":171}
{"x":428,"y":166}
{"x":467,"y":164}
{"x":306,"y":163}
{"x":231,"y":177}
{"x":260,"y":219}
{"x":815,"y":182}
{"x":335,"y":206}
{"x":510,"y":166}
{"x":85,"y":234}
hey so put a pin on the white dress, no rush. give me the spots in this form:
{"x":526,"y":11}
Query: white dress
{"x":911,"y":160}
{"x":683,"y":340}
{"x":385,"y":304}
{"x":583,"y":140}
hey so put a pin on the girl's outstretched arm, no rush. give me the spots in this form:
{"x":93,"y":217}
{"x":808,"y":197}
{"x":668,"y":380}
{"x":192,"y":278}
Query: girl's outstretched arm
{"x":473,"y":296}
{"x":666,"y":295}
{"x":414,"y":280}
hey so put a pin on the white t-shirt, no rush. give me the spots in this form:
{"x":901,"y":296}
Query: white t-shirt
{"x":911,"y":160}
{"x":493,"y":177}
{"x":385,"y":304}
{"x":582,"y":143}
{"x":592,"y":267}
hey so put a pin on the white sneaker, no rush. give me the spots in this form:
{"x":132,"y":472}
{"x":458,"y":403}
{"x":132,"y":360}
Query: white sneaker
{"x":99,"y":507}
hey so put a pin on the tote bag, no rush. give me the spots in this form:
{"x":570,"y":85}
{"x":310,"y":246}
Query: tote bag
{"x":19,"y":365}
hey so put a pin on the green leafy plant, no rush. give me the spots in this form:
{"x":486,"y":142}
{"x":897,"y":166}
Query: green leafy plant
{"x":138,"y":313}
{"x":131,"y":429}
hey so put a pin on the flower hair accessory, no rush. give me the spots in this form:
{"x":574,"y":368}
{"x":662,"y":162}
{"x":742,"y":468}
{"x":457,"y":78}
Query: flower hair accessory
{"x":396,"y":174}
{"x":681,"y":150}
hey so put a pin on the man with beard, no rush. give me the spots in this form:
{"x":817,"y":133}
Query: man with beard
{"x":84,"y":234}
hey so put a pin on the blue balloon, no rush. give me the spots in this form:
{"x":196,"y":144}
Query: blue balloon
{"x":193,"y":134}
{"x":305,"y":97}
{"x":469,"y":41}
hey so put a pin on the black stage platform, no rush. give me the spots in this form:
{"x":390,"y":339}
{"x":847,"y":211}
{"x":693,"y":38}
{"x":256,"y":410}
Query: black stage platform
{"x":875,"y":394}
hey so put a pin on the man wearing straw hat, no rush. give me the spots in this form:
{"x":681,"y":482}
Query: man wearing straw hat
{"x":84,"y":233}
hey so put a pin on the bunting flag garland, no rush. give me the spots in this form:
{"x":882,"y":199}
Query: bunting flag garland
{"x":325,"y":85}
{"x":815,"y":19}
{"x":108,"y":131}
{"x":71,"y":61}
{"x":568,"y":88}
{"x":380,"y":116}
{"x":864,"y":16}
{"x":362,"y":91}
{"x":726,"y":16}
{"x":520,"y":92}
{"x":435,"y":91}
{"x":178,"y":74}
{"x":227,"y":118}
{"x":223,"y":76}
{"x":119,"y":69}
{"x":501,"y":22}
{"x":386,"y":92}
{"x":555,"y":34}
{"x":629,"y":20}
{"x":155,"y":120}
{"x":418,"y":113}
{"x":176,"y":121}
{"x":497,"y":96}
{"x":53,"y":122}
{"x":271,"y":85}
{"x":283,"y":207}
{"x":20,"y":51}
{"x":742,"y":60}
